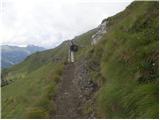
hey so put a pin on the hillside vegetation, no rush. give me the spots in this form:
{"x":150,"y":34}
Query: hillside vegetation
{"x":124,"y":65}
{"x":129,"y":64}
{"x":36,"y":79}
{"x":34,"y":82}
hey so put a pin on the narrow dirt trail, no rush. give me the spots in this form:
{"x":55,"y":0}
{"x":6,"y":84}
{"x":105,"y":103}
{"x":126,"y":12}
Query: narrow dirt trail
{"x":67,"y":99}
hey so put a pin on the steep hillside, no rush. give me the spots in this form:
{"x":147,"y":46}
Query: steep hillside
{"x":11,"y":55}
{"x":32,"y":83}
{"x":115,"y":73}
{"x":128,"y":64}
{"x":39,"y":73}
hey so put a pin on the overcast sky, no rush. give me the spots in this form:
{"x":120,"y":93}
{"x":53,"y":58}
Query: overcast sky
{"x":47,"y":23}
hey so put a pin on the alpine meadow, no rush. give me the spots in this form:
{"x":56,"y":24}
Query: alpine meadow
{"x":114,"y":73}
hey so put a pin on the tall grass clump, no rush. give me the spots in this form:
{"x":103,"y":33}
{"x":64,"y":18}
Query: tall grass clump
{"x":129,"y":64}
{"x":33,"y":97}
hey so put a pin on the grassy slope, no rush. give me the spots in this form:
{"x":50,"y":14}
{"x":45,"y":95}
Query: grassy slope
{"x":35,"y":81}
{"x":33,"y":86}
{"x":127,"y":63}
{"x":31,"y":95}
{"x":128,"y":56}
{"x":84,"y":43}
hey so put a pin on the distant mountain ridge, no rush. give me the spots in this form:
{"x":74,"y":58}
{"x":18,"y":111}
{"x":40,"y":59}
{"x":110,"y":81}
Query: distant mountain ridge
{"x":11,"y":55}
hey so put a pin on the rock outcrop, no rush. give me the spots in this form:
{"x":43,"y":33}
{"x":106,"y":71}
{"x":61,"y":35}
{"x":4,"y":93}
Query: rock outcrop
{"x":101,"y":30}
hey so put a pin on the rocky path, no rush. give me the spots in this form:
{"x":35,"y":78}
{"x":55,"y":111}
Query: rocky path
{"x":75,"y":89}
{"x":67,"y":99}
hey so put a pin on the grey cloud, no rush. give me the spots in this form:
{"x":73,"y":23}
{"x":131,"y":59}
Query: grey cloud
{"x":47,"y":23}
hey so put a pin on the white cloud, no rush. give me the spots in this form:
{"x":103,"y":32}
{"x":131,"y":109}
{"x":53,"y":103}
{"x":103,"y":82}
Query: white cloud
{"x":49,"y":22}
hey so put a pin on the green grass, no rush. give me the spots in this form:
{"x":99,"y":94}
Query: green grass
{"x":31,"y":96}
{"x":35,"y":80}
{"x":124,"y":64}
{"x":129,"y":64}
{"x":84,"y":43}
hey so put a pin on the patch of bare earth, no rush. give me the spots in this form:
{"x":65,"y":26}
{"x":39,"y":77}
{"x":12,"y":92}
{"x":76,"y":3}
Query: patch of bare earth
{"x":75,"y":89}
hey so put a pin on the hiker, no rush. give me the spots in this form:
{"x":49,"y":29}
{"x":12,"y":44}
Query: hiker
{"x":73,"y":48}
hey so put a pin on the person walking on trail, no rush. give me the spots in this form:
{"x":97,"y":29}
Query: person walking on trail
{"x":73,"y":48}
